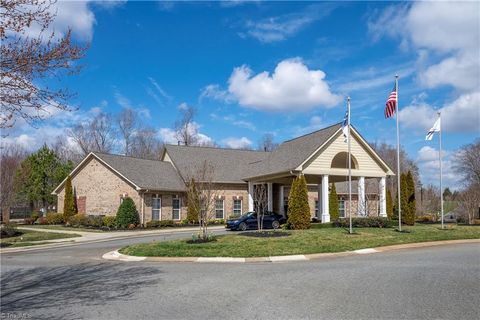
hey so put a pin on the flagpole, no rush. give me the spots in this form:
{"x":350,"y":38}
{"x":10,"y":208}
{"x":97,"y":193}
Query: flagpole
{"x":398,"y":159}
{"x":349,"y":169}
{"x":440,"y":160}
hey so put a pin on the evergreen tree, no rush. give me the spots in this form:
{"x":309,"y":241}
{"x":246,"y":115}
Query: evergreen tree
{"x":389,"y":205}
{"x":127,"y":213}
{"x":192,"y":203}
{"x":447,"y":194}
{"x":333,"y":204}
{"x":39,"y":174}
{"x":404,"y":195}
{"x":68,"y":201}
{"x":411,"y":203}
{"x":298,"y":209}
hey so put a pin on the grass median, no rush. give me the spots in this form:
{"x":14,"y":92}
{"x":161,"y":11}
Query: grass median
{"x":29,"y":238}
{"x":315,"y":240}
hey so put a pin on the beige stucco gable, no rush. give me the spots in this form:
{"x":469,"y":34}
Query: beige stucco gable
{"x":369,"y":164}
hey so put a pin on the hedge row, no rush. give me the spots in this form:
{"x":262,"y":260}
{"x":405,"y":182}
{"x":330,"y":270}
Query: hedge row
{"x":372,"y":222}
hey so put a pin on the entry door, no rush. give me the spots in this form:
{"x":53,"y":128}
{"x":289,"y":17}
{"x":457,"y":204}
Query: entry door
{"x":156,"y":207}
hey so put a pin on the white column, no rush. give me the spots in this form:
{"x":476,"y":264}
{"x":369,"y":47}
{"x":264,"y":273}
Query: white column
{"x":382,"y":197}
{"x":361,"y":196}
{"x":325,"y":206}
{"x":270,"y":196}
{"x":281,"y":207}
{"x":319,"y":205}
{"x":250,"y":196}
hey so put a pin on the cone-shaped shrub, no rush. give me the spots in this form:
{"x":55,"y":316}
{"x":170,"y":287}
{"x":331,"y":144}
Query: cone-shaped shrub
{"x":68,"y":201}
{"x":411,"y":203}
{"x":298,"y":209}
{"x":127,"y":213}
{"x":333,"y":204}
{"x":193,"y":200}
{"x":389,"y":201}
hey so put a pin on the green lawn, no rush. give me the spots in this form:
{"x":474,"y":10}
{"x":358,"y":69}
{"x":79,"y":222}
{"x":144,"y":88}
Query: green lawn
{"x":27,"y":237}
{"x":315,"y":240}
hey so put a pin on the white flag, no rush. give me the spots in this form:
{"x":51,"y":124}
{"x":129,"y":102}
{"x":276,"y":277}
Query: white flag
{"x":435,"y":128}
{"x":345,"y":126}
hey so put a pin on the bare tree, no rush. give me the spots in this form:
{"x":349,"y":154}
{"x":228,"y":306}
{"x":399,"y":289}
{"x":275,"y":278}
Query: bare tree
{"x":26,"y":60}
{"x":186,"y":132}
{"x":260,"y":199}
{"x":96,"y":135}
{"x":202,"y":194}
{"x":469,"y":204}
{"x":11,"y":158}
{"x":266,"y":143}
{"x":127,"y":123}
{"x":146,"y":144}
{"x":467,"y":162}
{"x":65,"y":151}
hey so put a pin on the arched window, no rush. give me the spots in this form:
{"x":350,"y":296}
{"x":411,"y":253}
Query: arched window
{"x":341,"y":161}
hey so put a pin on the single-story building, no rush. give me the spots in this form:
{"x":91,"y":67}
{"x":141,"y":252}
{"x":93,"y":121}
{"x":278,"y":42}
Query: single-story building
{"x":158,"y":189}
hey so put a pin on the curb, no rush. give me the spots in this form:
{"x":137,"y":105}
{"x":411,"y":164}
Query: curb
{"x":117,"y":256}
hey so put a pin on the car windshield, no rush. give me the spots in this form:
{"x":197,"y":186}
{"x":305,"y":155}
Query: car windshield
{"x":248,"y":214}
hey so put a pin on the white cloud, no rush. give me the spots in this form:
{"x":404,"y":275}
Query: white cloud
{"x":291,"y":85}
{"x":213,"y":91}
{"x":158,"y":93}
{"x":168,"y":135}
{"x":460,"y":115}
{"x":448,"y":30}
{"x":279,"y":28}
{"x":234,"y":121}
{"x":429,"y":165}
{"x":237,"y":143}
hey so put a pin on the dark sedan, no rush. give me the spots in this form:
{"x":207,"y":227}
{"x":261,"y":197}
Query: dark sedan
{"x":248,"y":220}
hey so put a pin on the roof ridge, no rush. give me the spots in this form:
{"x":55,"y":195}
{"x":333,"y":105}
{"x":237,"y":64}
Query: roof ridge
{"x":216,"y":148}
{"x":307,"y":134}
{"x":123,"y":156}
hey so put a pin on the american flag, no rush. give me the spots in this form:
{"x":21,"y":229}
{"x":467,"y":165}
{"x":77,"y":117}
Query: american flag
{"x":391,"y":103}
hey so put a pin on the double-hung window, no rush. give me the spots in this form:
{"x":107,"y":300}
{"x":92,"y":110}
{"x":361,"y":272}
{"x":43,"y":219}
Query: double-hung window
{"x":341,"y":208}
{"x":237,"y":206}
{"x":219,"y":209}
{"x":176,"y":208}
{"x":156,"y":207}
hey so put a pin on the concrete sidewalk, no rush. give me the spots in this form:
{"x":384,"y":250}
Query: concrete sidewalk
{"x":89,"y":237}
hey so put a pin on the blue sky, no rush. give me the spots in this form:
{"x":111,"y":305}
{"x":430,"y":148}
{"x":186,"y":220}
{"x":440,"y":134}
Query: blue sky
{"x":251,"y":68}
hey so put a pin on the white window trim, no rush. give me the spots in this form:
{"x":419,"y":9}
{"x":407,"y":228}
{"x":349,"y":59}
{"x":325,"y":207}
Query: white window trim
{"x":241,"y":205}
{"x":179,"y":208}
{"x":344,"y":208}
{"x":223,"y":209}
{"x":157,"y":196}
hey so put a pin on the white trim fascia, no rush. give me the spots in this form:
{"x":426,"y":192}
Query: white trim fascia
{"x":54,"y":192}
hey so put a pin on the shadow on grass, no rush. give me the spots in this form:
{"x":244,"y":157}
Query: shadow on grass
{"x":265,"y":234}
{"x":32,"y":291}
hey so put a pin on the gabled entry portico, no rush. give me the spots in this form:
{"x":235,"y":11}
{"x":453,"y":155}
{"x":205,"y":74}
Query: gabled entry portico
{"x":324,"y":165}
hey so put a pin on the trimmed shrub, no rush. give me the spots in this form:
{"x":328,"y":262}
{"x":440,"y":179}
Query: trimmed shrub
{"x":42,"y":221}
{"x":411,"y":203}
{"x":28,"y":221}
{"x":77,"y":220}
{"x":298,"y":209}
{"x":367,"y":222}
{"x":8,"y":230}
{"x":333,"y":203}
{"x":35,"y":216}
{"x":127,"y":213}
{"x":160,"y":223}
{"x":68,"y":202}
{"x":54,"y":218}
{"x":427,"y":218}
{"x":94,"y":221}
{"x":109,"y":222}
{"x":389,"y":201}
{"x":216,"y":221}
{"x":192,"y":203}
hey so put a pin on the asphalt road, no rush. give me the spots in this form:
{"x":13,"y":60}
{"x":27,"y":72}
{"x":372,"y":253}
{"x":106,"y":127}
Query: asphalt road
{"x":75,"y":283}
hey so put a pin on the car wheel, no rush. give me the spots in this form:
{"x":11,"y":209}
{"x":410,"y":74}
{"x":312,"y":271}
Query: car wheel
{"x":275,"y":225}
{"x":242,"y":226}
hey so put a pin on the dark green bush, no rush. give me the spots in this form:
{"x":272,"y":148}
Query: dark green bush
{"x":367,"y":222}
{"x":54,"y":218}
{"x":127,"y":214}
{"x":298,"y":209}
{"x":8,"y":230}
{"x":35,"y":216}
{"x":109,"y":222}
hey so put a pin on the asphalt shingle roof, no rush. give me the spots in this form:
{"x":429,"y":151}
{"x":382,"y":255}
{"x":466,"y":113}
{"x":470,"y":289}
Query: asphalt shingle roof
{"x":146,"y":174}
{"x":229,"y":165}
{"x":290,"y":154}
